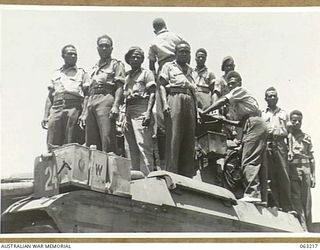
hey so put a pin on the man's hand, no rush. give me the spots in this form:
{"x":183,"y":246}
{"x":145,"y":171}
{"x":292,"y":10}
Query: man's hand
{"x":199,"y":115}
{"x":290,"y":156}
{"x":114,"y":112}
{"x":82,"y":122}
{"x":313,"y":181}
{"x":166,"y":109}
{"x":146,"y":119}
{"x":44,"y":123}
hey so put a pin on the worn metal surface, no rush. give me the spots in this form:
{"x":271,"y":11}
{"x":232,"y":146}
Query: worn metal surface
{"x":202,"y":188}
{"x":16,"y":189}
{"x":156,"y":208}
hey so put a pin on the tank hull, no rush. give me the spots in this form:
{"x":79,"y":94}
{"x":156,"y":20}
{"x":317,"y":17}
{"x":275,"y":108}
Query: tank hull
{"x":152,"y":207}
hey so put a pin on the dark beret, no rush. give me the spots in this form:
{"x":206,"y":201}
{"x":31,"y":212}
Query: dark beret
{"x":226,"y":60}
{"x":201,"y":50}
{"x":234,"y":74}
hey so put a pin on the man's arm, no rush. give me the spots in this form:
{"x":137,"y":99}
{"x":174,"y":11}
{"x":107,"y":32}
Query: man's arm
{"x":119,"y":79}
{"x":49,"y":100}
{"x":313,"y":165}
{"x":313,"y":172}
{"x":148,"y":114}
{"x":85,"y":89}
{"x":152,"y":65}
{"x":218,"y":104}
{"x":117,"y":98}
{"x":163,"y":96}
{"x":83,"y":116}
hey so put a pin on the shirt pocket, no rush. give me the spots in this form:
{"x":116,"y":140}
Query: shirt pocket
{"x":105,"y":76}
{"x":177,"y":78}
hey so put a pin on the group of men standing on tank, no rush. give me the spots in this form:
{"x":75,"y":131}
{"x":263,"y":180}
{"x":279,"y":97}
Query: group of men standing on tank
{"x":79,"y":103}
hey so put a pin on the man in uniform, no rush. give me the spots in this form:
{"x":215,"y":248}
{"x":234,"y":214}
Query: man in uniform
{"x":221,"y":86}
{"x":204,"y":79}
{"x":220,"y":89}
{"x":301,"y":170}
{"x":162,"y":49}
{"x":177,"y":91}
{"x":102,"y":103}
{"x":139,"y":93}
{"x":244,"y":109}
{"x":277,"y":151}
{"x":64,"y":103}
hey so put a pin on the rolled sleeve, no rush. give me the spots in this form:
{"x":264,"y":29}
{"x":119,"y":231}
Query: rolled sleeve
{"x":119,"y":73}
{"x":165,"y":72}
{"x":236,"y":94}
{"x":150,"y":81}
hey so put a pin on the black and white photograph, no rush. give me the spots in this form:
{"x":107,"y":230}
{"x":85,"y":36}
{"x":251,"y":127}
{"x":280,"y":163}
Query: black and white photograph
{"x":160,"y":120}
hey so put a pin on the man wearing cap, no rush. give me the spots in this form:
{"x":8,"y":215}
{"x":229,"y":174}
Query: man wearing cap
{"x":64,"y":102}
{"x":244,"y":110}
{"x":220,"y":89}
{"x":102,"y":102}
{"x":277,"y":150}
{"x":221,"y":86}
{"x":139,"y":93}
{"x":177,"y":91}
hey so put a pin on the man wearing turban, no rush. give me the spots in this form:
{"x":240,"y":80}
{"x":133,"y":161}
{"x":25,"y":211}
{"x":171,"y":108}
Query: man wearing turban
{"x":139,"y":94}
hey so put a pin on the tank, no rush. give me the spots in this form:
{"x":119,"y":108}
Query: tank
{"x":76,"y":189}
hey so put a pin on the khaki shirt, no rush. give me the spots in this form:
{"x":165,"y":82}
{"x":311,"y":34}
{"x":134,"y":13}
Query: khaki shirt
{"x":204,"y":79}
{"x":139,"y":84}
{"x":242,"y":103}
{"x":221,"y":87}
{"x":163,"y":46}
{"x":72,"y":80}
{"x":276,"y":121}
{"x":109,"y":73}
{"x":174,"y":76}
{"x":301,"y":146}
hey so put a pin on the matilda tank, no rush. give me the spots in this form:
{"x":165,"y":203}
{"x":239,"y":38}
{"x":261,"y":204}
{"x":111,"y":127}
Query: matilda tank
{"x":76,"y":189}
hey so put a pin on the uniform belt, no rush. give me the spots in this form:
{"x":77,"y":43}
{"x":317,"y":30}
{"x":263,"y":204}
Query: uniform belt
{"x":203,"y":89}
{"x":66,"y":96}
{"x":299,"y":161}
{"x":101,"y":89}
{"x":68,"y":102}
{"x":179,"y":90}
{"x":245,"y":118}
{"x":136,"y":101}
{"x":276,"y":137}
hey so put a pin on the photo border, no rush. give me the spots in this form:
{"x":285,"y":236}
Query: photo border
{"x":310,"y":238}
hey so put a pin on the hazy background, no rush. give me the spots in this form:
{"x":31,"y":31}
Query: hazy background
{"x":271,"y":47}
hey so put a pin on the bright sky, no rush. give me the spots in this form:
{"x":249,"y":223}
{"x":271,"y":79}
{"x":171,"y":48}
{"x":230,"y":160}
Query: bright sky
{"x":271,"y":47}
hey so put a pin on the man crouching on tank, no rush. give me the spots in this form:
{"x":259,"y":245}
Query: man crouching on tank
{"x":244,"y":109}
